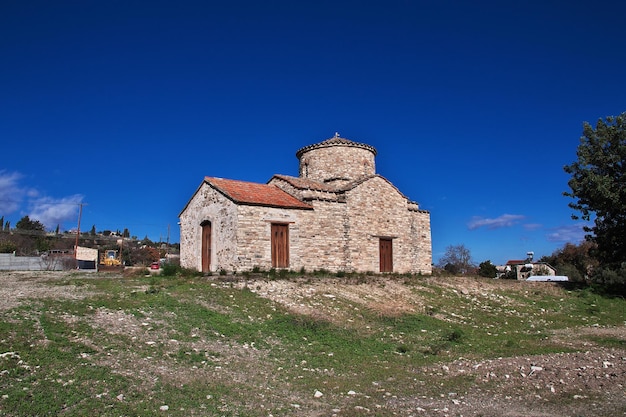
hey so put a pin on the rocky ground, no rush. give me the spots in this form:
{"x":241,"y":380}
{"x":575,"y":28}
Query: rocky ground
{"x":21,"y":286}
{"x":519,"y":386}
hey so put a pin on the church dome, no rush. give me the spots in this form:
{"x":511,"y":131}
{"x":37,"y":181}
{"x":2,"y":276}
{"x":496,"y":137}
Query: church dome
{"x":337,"y":160}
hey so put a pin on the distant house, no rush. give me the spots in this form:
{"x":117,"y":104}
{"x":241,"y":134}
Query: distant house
{"x":523,"y":269}
{"x":338,"y":215}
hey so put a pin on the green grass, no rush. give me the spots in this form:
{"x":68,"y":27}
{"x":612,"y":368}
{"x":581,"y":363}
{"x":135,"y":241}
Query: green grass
{"x":205,"y":347}
{"x":611,"y":342}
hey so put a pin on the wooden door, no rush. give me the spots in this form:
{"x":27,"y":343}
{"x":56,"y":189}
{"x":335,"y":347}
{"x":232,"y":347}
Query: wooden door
{"x":206,"y":247}
{"x":386,"y":255}
{"x":280,"y":245}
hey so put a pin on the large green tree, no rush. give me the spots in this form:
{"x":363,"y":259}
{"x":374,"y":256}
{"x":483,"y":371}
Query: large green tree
{"x":25,"y":224}
{"x":599,"y":190}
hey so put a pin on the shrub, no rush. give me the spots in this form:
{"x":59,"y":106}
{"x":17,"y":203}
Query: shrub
{"x":7,"y":247}
{"x":402,"y":349}
{"x":455,"y":336}
{"x":487,"y":269}
{"x":170,"y":270}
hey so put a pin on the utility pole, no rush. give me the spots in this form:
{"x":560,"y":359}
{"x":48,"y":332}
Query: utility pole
{"x":167,"y":248}
{"x":80,"y":213}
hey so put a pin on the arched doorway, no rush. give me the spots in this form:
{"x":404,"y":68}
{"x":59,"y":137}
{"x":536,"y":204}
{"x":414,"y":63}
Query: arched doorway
{"x":206,"y":246}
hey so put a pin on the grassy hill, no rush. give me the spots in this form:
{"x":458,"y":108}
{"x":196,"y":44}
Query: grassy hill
{"x":103,"y":344}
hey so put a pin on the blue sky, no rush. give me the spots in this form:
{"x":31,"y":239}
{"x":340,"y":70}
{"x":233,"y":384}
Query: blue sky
{"x":474,"y":107}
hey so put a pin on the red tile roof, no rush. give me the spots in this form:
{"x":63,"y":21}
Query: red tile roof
{"x":252,"y":193}
{"x":516,"y":262}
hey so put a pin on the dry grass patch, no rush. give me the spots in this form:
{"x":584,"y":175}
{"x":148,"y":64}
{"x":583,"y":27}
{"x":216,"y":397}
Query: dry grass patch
{"x":19,"y":287}
{"x":339,"y":301}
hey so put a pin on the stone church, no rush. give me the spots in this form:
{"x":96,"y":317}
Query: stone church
{"x":337,"y":215}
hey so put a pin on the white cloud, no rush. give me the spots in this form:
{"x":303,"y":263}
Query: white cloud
{"x":54,"y":211}
{"x":11,"y":194}
{"x":533,"y":226}
{"x":16,"y":197}
{"x":505,"y":220}
{"x":567,"y":234}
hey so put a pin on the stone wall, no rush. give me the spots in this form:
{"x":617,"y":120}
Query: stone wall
{"x":342,"y":234}
{"x":241,"y":234}
{"x":376,"y":209}
{"x":422,"y":242}
{"x":10,"y":262}
{"x":254,"y":236}
{"x":322,"y":234}
{"x":207,"y":204}
{"x":337,"y":164}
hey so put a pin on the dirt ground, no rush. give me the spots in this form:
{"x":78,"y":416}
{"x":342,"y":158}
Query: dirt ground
{"x":505,"y":387}
{"x":518,"y":386}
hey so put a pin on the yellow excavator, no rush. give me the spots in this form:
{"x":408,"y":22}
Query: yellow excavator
{"x":110,"y":257}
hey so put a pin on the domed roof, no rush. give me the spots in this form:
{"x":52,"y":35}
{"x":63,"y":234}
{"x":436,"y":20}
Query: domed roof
{"x":335,"y":141}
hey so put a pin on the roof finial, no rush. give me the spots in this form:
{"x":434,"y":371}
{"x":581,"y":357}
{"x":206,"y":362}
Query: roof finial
{"x":336,"y":135}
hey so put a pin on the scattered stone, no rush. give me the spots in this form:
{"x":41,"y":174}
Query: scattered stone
{"x":9,"y":355}
{"x":164,"y":408}
{"x":573,"y":371}
{"x":317,"y":394}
